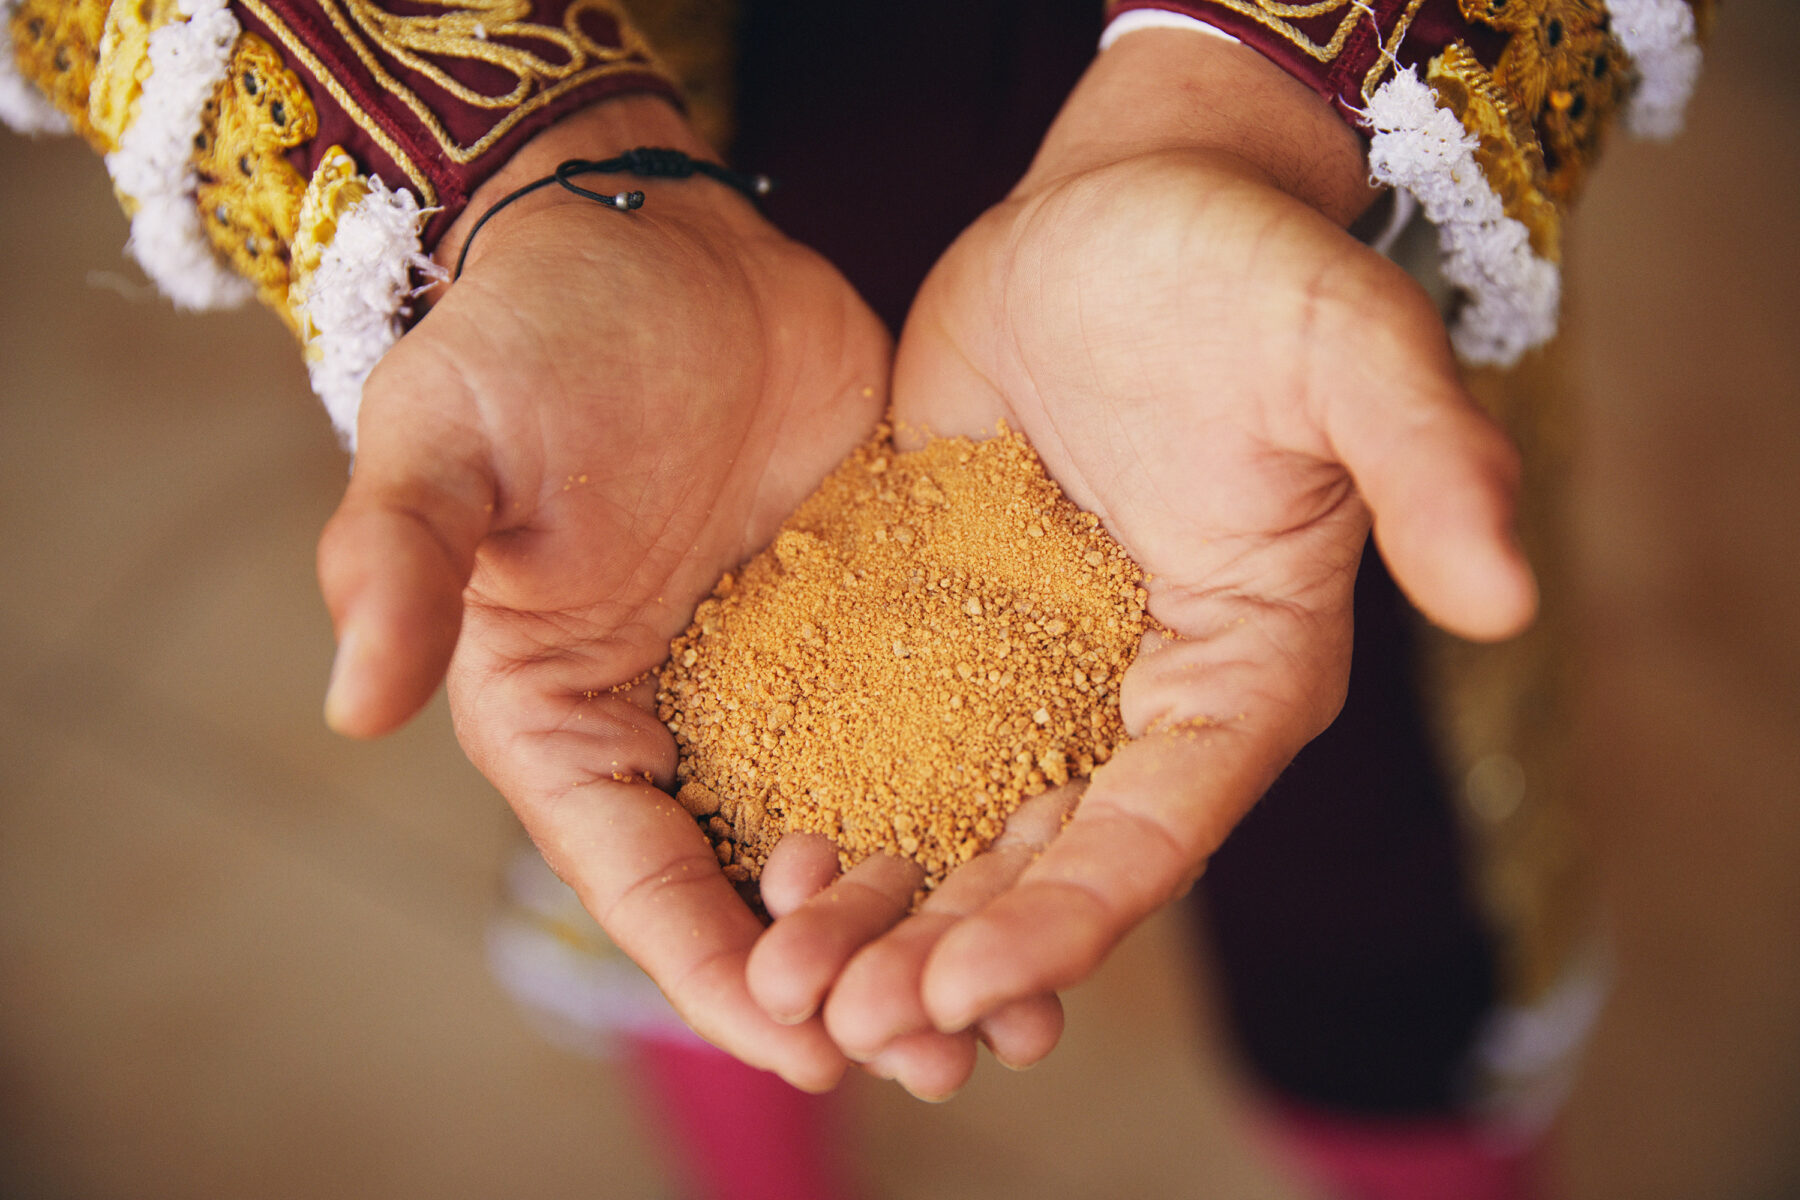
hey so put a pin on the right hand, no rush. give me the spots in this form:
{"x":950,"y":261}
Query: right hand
{"x":603,"y":415}
{"x":1169,"y":309}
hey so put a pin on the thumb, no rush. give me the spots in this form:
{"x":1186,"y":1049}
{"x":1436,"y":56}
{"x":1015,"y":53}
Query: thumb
{"x":395,"y":557}
{"x":1441,"y":480}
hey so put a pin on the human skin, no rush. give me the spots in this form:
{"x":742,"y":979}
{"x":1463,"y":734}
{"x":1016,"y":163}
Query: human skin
{"x":1168,"y":306}
{"x":601,"y":416}
{"x":608,"y":412}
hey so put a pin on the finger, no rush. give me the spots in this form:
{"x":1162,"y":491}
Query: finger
{"x":795,"y":963}
{"x":876,"y":1000}
{"x":800,"y":867}
{"x":932,"y":1066}
{"x":573,"y":767}
{"x":1441,"y":480}
{"x":1223,"y":717}
{"x":1442,"y":490}
{"x":395,"y":557}
{"x":1024,"y":1032}
{"x":1118,"y":861}
{"x":677,"y":916}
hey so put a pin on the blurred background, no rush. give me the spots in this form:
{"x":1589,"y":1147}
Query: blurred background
{"x":241,"y":957}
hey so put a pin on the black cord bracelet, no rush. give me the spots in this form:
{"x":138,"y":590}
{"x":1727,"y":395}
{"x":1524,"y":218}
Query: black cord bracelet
{"x":646,"y":162}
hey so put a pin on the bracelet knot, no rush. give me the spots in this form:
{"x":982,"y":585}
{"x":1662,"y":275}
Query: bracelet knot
{"x":654,"y":162}
{"x":646,"y":162}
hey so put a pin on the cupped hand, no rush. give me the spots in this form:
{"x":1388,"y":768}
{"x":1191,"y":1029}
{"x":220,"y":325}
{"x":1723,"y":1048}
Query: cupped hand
{"x":604,"y":414}
{"x":1169,"y":308}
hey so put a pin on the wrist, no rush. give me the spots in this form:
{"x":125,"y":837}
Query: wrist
{"x":600,"y":131}
{"x":1161,"y":90}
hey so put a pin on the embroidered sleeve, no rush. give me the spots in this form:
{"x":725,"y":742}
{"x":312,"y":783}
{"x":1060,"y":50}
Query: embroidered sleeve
{"x":308,"y":152}
{"x":1488,"y":112}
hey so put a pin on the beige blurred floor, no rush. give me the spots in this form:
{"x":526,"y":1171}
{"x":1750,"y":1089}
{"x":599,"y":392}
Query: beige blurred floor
{"x":241,"y":958}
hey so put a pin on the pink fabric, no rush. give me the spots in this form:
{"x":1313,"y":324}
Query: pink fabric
{"x":733,"y":1132}
{"x":1424,"y":1159}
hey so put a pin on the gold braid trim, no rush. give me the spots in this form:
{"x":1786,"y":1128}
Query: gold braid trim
{"x":487,"y":31}
{"x":255,"y":209}
{"x":1386,"y":60}
{"x":1276,"y":18}
{"x":1539,"y":114}
{"x":464,"y":32}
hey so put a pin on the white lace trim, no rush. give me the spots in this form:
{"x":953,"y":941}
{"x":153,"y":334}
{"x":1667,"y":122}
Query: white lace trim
{"x":1659,"y":36}
{"x":153,"y":166}
{"x":23,"y":108}
{"x":354,"y":302}
{"x":1157,"y":18}
{"x":1513,"y":294}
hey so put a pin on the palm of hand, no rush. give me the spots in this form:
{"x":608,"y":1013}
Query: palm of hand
{"x":617,"y":411}
{"x":1231,"y":383}
{"x":685,"y":388}
{"x":1176,"y":340}
{"x":1170,"y":336}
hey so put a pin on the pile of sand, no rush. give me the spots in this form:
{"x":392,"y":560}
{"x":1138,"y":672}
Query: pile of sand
{"x":932,"y":637}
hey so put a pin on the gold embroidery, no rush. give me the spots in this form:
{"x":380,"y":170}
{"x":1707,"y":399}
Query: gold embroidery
{"x":124,"y":64}
{"x":335,"y":188}
{"x":249,"y":194}
{"x":1562,"y":67}
{"x":304,"y":54}
{"x":1539,"y":115}
{"x":490,"y":31}
{"x":57,"y":43}
{"x":461,"y":40}
{"x":1506,"y":146}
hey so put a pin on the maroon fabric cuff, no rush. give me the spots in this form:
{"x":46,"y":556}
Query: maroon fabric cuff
{"x":1344,"y":49}
{"x":436,"y":100}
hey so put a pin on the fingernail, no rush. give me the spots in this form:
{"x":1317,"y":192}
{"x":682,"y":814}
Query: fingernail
{"x":1009,"y":1065}
{"x":945,"y":1098}
{"x":812,"y":1087}
{"x":337,"y":692}
{"x":794,"y":1018}
{"x":1000,"y":1058}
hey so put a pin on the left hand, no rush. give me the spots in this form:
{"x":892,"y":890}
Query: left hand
{"x":602,"y":416}
{"x":1169,"y":309}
